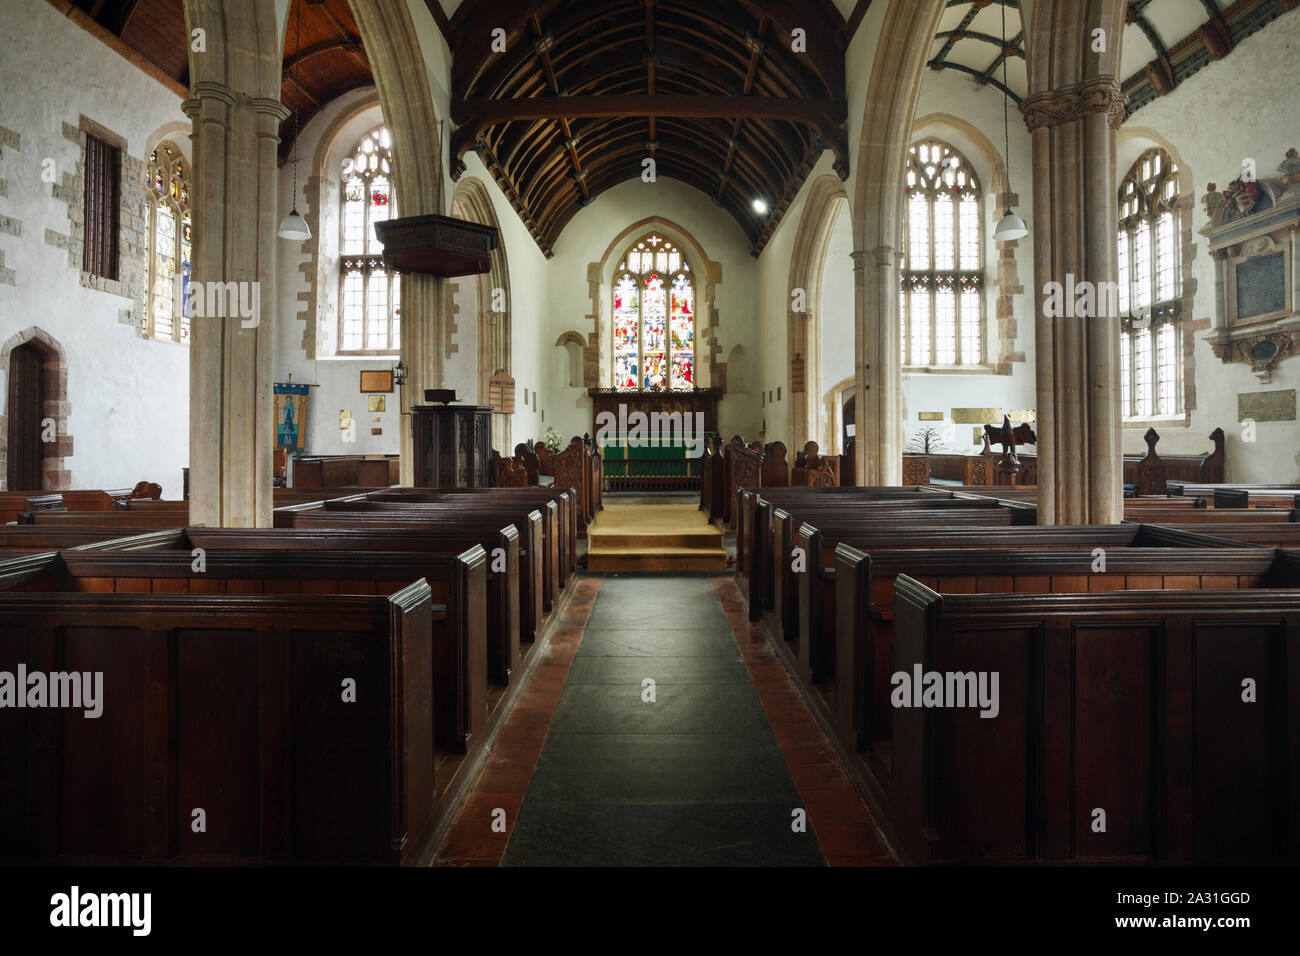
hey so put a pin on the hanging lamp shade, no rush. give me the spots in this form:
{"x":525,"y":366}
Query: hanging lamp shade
{"x":1009,"y":227}
{"x":293,"y":226}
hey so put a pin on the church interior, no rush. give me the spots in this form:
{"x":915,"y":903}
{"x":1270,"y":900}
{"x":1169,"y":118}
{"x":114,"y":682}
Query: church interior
{"x":646,"y":433}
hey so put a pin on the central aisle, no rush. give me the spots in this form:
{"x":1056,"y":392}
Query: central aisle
{"x":716,"y":771}
{"x":693,"y":778}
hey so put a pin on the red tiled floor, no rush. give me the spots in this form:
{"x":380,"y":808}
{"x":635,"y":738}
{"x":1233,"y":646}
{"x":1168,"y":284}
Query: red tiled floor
{"x":845,"y":828}
{"x":471,"y":840}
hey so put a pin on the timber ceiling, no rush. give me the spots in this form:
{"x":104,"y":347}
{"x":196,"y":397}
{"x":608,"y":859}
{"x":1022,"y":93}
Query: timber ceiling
{"x":1166,"y":41}
{"x":969,"y":40}
{"x":586,"y":90}
{"x":329,"y":58}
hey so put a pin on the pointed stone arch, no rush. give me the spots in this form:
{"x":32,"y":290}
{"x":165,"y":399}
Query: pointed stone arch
{"x":877,"y":203}
{"x":406,"y":99}
{"x":827,"y":200}
{"x":54,"y":405}
{"x":471,"y":201}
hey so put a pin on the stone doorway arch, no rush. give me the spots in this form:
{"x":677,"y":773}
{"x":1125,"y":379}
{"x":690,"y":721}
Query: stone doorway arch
{"x":54,"y":408}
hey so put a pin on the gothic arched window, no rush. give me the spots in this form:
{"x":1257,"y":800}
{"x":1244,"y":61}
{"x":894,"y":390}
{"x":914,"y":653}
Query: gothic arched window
{"x":170,"y":236}
{"x":369,"y":306}
{"x":941,"y":294}
{"x":1150,"y":283}
{"x":654,"y":318}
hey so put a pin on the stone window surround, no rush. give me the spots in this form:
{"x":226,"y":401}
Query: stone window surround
{"x":1184,"y":208}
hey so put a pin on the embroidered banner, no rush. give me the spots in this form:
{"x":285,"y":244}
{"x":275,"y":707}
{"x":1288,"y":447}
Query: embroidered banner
{"x":290,"y":415}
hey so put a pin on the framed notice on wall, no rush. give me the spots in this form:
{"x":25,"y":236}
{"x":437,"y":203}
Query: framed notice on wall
{"x":377,"y":381}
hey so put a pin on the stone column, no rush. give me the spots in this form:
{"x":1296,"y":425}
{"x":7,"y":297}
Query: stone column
{"x":878,"y":443}
{"x":231,"y":372}
{"x":1080,"y":463}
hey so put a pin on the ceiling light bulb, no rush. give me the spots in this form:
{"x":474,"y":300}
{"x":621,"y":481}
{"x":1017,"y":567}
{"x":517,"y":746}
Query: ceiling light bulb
{"x":760,"y":206}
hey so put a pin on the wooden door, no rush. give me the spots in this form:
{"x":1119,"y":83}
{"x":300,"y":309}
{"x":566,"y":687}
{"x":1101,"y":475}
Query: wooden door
{"x":24,"y":464}
{"x":850,"y":411}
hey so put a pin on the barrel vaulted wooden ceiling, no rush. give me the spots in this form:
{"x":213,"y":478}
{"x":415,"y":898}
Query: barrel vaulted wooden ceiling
{"x":715,"y":93}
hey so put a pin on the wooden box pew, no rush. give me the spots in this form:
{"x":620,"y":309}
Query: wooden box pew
{"x":457,"y":582}
{"x":231,"y":703}
{"x":857,"y":656}
{"x":1284,"y":493}
{"x":13,"y":503}
{"x":1269,"y":533}
{"x":1150,"y":504}
{"x":21,"y":537}
{"x":451,"y":514}
{"x":805,"y":612}
{"x":502,"y":588}
{"x":1131,"y":702}
{"x":571,"y":469}
{"x":771,"y":533}
{"x":1144,"y":515}
{"x":127,"y":521}
{"x":1255,"y":498}
{"x":373,"y":528}
{"x":747,"y":501}
{"x":563,"y":530}
{"x":565,"y":501}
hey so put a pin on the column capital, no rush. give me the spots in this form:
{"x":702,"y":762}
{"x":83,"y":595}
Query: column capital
{"x":884,"y":256}
{"x":1101,"y":94}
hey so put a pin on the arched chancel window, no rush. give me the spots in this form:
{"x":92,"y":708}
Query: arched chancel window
{"x":941,"y":295}
{"x":654,"y":318}
{"x":1150,"y":283}
{"x":369,"y":307}
{"x":170,"y":236}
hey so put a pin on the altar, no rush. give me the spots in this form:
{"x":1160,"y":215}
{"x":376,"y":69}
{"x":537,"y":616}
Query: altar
{"x":621,"y":404}
{"x":653,"y":440}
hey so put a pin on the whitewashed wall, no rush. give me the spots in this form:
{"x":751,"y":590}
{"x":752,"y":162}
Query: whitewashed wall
{"x":584,"y":241}
{"x":129,"y":397}
{"x":1246,"y":105}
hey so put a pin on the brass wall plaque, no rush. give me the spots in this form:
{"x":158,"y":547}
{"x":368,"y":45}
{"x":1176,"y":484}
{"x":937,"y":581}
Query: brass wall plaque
{"x":977,"y":435}
{"x":1277,"y":406}
{"x":930,"y":417}
{"x":976,"y":416}
{"x":1019,"y":415}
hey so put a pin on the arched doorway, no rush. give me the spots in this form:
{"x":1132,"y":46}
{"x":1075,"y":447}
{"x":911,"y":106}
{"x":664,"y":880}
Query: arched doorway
{"x":34,"y":423}
{"x":23,"y":467}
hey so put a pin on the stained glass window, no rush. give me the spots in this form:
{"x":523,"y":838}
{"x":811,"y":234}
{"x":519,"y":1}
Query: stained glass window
{"x":1150,"y":283}
{"x":941,"y":306}
{"x":369,"y":295}
{"x":654,"y":318}
{"x":171,"y":234}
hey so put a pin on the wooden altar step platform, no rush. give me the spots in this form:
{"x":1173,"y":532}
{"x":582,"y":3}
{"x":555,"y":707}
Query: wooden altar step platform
{"x":654,"y":537}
